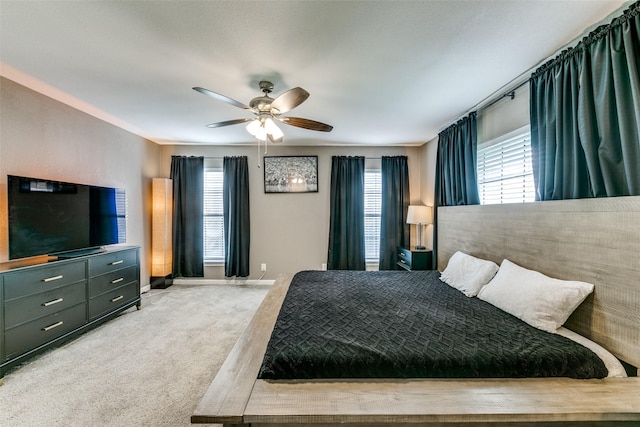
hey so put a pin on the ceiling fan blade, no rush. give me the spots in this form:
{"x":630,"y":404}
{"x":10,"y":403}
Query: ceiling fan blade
{"x":222,"y":98}
{"x":228,"y":122}
{"x":306,"y":124}
{"x":289,"y":100}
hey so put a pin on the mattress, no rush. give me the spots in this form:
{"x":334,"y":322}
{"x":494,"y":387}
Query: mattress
{"x":399,"y":324}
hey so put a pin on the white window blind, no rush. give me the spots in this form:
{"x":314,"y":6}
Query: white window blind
{"x":372,"y":211}
{"x":213,"y":216}
{"x":121,"y":214}
{"x":505,"y":172}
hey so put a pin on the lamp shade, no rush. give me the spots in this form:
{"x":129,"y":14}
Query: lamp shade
{"x":419,"y":214}
{"x":161,"y":208}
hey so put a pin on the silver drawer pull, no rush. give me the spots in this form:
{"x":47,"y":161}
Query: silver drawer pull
{"x":116,"y":262}
{"x":113,"y":282}
{"x":55,"y":325}
{"x":55,"y":301}
{"x":51,"y":279}
{"x":402,"y":254}
{"x":117,"y":298}
{"x":402,"y":261}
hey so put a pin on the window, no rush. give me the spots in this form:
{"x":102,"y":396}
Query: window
{"x":505,"y":171}
{"x":213,"y":216}
{"x":121,"y":214}
{"x":372,"y":211}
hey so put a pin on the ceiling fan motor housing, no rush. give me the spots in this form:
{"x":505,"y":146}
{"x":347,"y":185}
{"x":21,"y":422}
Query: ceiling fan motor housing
{"x":261,"y":104}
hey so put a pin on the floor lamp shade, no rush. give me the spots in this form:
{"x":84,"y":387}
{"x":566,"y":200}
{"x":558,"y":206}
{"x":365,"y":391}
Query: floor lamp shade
{"x":161,"y":217}
{"x":420,"y":215}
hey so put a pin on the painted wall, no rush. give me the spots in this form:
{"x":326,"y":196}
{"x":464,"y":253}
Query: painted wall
{"x":289,"y":232}
{"x":44,"y":138}
{"x":428,"y":154}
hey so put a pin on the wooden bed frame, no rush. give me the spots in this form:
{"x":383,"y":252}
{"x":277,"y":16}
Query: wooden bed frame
{"x":593,"y":240}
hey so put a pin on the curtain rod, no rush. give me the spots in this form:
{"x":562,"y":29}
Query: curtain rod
{"x":222,"y":157}
{"x":511,"y":94}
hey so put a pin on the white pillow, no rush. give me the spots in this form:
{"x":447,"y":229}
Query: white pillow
{"x":468,"y":274}
{"x":539,"y":300}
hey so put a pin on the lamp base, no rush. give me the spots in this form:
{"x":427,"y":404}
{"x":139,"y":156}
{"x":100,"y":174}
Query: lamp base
{"x":160,"y":282}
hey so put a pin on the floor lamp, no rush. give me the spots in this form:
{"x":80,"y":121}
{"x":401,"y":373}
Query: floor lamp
{"x":161,"y":217}
{"x":419,"y":215}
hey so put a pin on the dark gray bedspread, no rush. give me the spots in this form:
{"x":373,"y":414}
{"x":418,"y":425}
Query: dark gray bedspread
{"x":397,"y":324}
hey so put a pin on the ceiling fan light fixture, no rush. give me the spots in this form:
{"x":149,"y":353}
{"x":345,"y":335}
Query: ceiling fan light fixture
{"x":273,"y":130}
{"x":275,"y":140}
{"x":254,"y":127}
{"x":261,"y":135}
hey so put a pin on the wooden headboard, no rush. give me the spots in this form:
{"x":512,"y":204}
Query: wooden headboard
{"x":592,"y":240}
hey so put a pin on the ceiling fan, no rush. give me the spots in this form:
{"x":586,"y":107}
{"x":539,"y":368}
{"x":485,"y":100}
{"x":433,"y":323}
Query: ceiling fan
{"x":267,"y":110}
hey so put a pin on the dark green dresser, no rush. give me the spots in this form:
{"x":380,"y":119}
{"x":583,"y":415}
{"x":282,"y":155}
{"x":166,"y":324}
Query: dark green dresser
{"x":46,"y":304}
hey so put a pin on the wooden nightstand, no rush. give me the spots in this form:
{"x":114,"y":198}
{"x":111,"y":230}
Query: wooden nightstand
{"x":414,"y":259}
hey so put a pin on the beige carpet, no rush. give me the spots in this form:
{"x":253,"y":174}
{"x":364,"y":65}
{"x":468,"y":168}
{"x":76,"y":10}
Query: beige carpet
{"x":144,"y":368}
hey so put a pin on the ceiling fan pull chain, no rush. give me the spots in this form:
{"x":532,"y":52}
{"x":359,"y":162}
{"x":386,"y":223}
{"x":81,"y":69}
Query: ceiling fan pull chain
{"x":259,"y":154}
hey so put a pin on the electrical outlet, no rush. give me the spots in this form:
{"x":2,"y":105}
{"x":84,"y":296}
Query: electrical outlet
{"x":263,"y":267}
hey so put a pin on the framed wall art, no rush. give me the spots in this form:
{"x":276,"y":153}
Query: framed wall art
{"x":291,"y":174}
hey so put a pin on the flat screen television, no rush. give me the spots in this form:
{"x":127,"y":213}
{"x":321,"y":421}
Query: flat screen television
{"x":62,"y":218}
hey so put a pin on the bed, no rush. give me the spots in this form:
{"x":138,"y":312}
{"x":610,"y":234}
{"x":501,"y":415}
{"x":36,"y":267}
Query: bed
{"x":401,"y":324}
{"x":595,"y":240}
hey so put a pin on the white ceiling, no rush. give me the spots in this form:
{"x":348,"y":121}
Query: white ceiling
{"x":381,"y":72}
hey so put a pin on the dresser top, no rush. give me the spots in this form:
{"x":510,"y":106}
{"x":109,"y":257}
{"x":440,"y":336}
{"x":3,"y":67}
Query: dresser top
{"x":48,"y":259}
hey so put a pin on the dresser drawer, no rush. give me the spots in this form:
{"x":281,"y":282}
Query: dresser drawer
{"x":29,"y":308}
{"x":112,"y":261}
{"x":30,"y":335}
{"x":112,"y":280}
{"x":112,"y":300}
{"x":40,"y":279}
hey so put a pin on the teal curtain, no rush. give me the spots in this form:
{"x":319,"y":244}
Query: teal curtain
{"x":457,"y":177}
{"x":394,"y":230}
{"x":346,"y":221}
{"x":585,"y":115}
{"x":187,"y":174}
{"x":235,"y":206}
{"x":558,"y":159}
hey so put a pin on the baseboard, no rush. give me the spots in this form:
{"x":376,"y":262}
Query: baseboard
{"x":145,"y":289}
{"x":184,"y":281}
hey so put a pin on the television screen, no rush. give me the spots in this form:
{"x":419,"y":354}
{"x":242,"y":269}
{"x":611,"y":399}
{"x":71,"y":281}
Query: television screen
{"x":52,"y":217}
